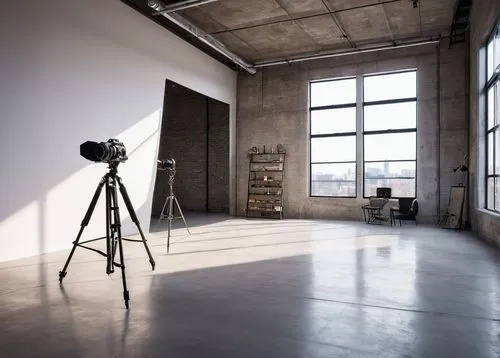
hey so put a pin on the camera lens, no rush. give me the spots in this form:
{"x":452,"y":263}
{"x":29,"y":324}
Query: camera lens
{"x":110,"y":151}
{"x":100,"y":151}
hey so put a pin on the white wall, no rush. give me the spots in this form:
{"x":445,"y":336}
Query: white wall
{"x":72,"y":71}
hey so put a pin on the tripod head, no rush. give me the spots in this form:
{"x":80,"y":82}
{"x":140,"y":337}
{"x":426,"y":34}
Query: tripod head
{"x":168,"y":166}
{"x":113,"y":167}
{"x":171,"y":178}
{"x":171,"y":175}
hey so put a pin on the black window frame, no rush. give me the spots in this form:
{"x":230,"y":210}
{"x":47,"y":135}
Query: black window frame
{"x":332,"y":135}
{"x":390,"y":131}
{"x":490,"y":83}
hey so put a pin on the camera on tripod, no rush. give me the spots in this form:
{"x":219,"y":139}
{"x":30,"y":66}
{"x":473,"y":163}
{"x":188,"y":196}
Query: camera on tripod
{"x":171,"y":203}
{"x":166,"y":164}
{"x":112,"y":151}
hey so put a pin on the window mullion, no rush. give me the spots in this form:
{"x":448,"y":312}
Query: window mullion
{"x":331,"y":135}
{"x":359,"y":137}
{"x":494,"y":78}
{"x":496,"y":133}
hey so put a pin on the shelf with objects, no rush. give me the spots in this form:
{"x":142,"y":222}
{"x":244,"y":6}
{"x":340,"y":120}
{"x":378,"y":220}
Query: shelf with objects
{"x":266,"y":183}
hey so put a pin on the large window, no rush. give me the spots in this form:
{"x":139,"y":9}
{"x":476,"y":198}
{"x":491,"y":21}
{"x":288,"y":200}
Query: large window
{"x":492,"y":95}
{"x":376,"y":111}
{"x":333,"y":138}
{"x":390,"y":133}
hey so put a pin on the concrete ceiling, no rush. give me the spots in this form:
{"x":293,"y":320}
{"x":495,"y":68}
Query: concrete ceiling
{"x":262,"y":30}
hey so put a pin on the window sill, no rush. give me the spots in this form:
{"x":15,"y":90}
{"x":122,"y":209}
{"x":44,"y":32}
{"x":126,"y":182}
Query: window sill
{"x":489,"y":212}
{"x":332,"y":197}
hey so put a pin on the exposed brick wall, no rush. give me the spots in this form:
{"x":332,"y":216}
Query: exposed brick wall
{"x":218,"y":156}
{"x":185,"y":137}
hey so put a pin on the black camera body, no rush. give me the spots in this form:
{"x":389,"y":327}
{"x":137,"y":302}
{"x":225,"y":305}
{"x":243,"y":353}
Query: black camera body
{"x":112,"y":151}
{"x":166,"y":164}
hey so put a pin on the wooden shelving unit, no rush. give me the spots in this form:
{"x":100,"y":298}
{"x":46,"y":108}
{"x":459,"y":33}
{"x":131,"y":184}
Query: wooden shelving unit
{"x":265,"y":185}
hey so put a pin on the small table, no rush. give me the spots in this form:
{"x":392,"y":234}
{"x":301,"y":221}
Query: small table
{"x":372,"y":214}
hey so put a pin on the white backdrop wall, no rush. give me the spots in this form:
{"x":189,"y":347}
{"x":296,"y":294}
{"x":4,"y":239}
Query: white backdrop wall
{"x":72,"y":71}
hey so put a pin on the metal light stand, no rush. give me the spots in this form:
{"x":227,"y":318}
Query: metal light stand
{"x":169,"y":205}
{"x":113,"y":227}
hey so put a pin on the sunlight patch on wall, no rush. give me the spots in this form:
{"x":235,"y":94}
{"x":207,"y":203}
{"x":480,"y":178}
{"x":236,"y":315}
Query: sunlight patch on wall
{"x":139,"y":171}
{"x":20,"y":233}
{"x":64,"y":205}
{"x":67,"y":203}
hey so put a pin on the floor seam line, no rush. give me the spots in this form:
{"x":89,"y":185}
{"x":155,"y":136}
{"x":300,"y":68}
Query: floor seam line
{"x":402,"y":309}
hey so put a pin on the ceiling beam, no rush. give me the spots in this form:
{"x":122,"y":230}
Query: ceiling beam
{"x":388,"y":23}
{"x":278,"y":2}
{"x":223,"y":26}
{"x":182,"y":6}
{"x":304,"y":17}
{"x":336,"y":20}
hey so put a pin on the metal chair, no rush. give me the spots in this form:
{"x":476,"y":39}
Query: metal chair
{"x":407,"y":211}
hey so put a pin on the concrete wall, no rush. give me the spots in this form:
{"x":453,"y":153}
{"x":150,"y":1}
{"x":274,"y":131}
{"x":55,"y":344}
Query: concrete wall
{"x":486,"y":224}
{"x":195,"y":132}
{"x":273,"y":108}
{"x":452,"y":120}
{"x":83,"y":70}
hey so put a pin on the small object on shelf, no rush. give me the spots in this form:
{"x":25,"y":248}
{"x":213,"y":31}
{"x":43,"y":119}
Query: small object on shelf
{"x":265,"y":192}
{"x":280,"y":148}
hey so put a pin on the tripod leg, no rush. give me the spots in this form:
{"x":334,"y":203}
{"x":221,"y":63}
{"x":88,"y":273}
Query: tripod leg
{"x":109,"y":231}
{"x":126,"y":295}
{"x":170,"y":219}
{"x":115,"y":223}
{"x":162,"y":214}
{"x":134,"y":218}
{"x":182,"y":215}
{"x":84,"y":223}
{"x":116,"y":228}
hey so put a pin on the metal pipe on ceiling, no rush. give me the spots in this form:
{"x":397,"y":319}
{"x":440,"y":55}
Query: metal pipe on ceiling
{"x":182,"y":5}
{"x":344,"y":53}
{"x":201,"y":35}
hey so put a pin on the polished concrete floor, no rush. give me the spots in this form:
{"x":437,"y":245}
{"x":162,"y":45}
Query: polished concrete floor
{"x":255,"y":288}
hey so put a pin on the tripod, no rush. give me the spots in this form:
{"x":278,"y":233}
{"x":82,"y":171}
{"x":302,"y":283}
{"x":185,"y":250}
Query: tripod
{"x":113,"y":227}
{"x":169,"y":205}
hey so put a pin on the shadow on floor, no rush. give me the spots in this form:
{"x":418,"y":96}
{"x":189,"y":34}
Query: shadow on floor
{"x":193,"y":219}
{"x":357,"y":303}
